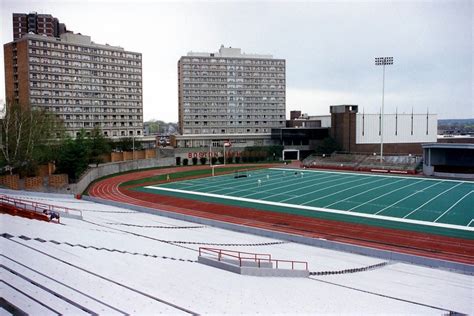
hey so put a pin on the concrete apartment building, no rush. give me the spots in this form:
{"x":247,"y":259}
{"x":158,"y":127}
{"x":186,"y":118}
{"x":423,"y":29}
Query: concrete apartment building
{"x":85,"y":84}
{"x":41,"y":24}
{"x":230,"y":96}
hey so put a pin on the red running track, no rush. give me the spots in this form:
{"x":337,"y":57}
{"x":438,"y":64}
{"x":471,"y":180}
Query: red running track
{"x":428,"y":245}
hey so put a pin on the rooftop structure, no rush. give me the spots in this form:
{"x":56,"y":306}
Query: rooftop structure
{"x":34,"y":23}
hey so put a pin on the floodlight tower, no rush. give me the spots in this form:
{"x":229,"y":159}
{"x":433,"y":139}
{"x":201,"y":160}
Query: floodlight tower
{"x":382,"y":61}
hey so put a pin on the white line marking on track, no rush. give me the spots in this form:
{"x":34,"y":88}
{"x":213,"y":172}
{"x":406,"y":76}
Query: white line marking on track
{"x":452,"y":206}
{"x":472,"y":220}
{"x":444,"y":192}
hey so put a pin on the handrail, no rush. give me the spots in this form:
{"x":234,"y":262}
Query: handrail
{"x":36,"y":206}
{"x":254,"y":257}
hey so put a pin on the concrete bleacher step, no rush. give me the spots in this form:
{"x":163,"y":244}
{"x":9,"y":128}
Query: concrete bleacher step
{"x":47,"y":298}
{"x":60,"y":288}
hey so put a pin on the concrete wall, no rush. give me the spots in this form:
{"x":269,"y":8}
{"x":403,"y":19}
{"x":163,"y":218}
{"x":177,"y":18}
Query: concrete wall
{"x":318,"y":242}
{"x":111,"y":168}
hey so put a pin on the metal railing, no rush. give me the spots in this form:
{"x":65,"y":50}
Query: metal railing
{"x":36,"y":206}
{"x":241,"y":256}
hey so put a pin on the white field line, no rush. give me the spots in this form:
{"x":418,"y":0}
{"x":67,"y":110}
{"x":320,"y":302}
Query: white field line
{"x":353,"y":196}
{"x":319,"y":209}
{"x":373,"y":175}
{"x":250,"y":184}
{"x":325,"y":188}
{"x":298,"y":188}
{"x":406,"y":197}
{"x":449,"y":209}
{"x":472,"y":220}
{"x":444,"y":192}
{"x":378,"y":197}
{"x":247,"y":183}
{"x":350,"y":188}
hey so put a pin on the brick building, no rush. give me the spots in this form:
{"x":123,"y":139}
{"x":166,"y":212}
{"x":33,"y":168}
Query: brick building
{"x":41,"y":24}
{"x":84,"y":84}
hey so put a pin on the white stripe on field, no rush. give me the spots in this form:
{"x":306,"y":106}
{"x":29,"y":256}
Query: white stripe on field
{"x":319,"y":209}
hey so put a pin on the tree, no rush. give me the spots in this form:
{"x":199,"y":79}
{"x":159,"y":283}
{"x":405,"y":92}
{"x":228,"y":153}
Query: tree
{"x":74,"y":156}
{"x":26,"y":136}
{"x":327,"y":146}
{"x":127,"y":144}
{"x":98,"y":145}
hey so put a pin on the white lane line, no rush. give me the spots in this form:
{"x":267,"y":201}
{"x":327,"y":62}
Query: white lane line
{"x":444,"y":192}
{"x":338,"y":192}
{"x":319,"y":209}
{"x":449,"y":209}
{"x":390,"y":192}
{"x":353,"y":196}
{"x":406,"y":197}
{"x":469,"y":225}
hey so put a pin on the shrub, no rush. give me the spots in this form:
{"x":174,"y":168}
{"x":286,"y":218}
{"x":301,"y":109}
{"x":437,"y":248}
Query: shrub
{"x":185,"y":161}
{"x":195,"y":161}
{"x":203,"y":160}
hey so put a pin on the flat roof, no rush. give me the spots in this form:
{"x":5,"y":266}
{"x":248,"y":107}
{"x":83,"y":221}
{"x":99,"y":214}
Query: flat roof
{"x":449,"y":145}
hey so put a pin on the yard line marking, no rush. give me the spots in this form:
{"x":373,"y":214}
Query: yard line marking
{"x":298,"y":188}
{"x":350,"y":188}
{"x":378,"y":197}
{"x":352,"y":196}
{"x":407,"y":197}
{"x":453,"y":206}
{"x":331,"y":186}
{"x":469,"y":225}
{"x":251,"y":184}
{"x":319,"y":209}
{"x":444,"y":192}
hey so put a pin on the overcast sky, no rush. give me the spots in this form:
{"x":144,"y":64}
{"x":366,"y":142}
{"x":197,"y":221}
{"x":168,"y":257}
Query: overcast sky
{"x":329,"y":47}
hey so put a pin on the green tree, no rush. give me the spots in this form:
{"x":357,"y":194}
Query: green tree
{"x":26,"y":135}
{"x":98,"y":145}
{"x":327,"y":146}
{"x":74,"y":156}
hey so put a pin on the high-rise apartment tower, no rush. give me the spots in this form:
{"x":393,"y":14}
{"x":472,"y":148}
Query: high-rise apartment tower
{"x":230,"y":93}
{"x":85,"y":84}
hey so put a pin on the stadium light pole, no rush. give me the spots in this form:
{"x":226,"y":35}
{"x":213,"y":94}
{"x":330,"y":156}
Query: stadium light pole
{"x":382,"y":61}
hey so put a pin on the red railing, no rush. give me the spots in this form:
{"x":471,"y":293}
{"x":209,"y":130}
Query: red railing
{"x":35,"y":206}
{"x":249,"y":256}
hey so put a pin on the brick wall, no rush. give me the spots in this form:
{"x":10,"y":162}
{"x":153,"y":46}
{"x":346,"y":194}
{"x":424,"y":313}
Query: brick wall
{"x":58,"y":180}
{"x":33,"y":182}
{"x":116,"y":156}
{"x":10,"y":181}
{"x":127,"y":155}
{"x":150,"y":153}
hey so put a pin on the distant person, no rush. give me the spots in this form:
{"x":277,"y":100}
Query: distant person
{"x":259,"y":182}
{"x":52,"y":215}
{"x":268,"y":177}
